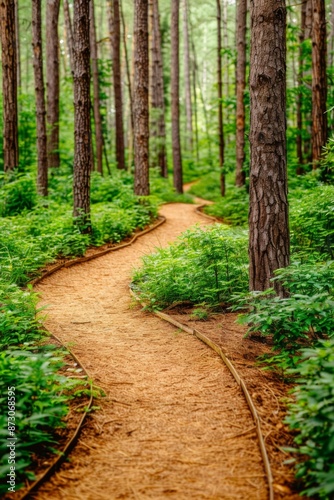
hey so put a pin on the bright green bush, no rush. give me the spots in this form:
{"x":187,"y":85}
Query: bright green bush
{"x":204,"y":265}
{"x":17,"y":194}
{"x":299,"y":320}
{"x":233,"y":208}
{"x":312,"y":416}
{"x":312,"y":221}
{"x":40,"y":396}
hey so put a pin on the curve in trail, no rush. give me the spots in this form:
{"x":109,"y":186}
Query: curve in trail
{"x":173,"y":422}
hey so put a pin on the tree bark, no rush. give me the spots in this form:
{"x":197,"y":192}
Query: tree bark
{"x":158,"y":128}
{"x":9,"y":85}
{"x":175,"y":97}
{"x":220,"y":101}
{"x":96,"y":90}
{"x":300,"y":93}
{"x":116,"y":58}
{"x":69,"y":32}
{"x":140,"y":103}
{"x":42,"y":169}
{"x":319,"y":80}
{"x":187,"y":81}
{"x":268,"y":214}
{"x":241,"y":84}
{"x":82,"y":132}
{"x":18,"y":47}
{"x":52,"y":77}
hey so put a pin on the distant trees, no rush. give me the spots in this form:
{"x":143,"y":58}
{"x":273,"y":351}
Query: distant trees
{"x":140,"y":98}
{"x":52,"y":79}
{"x":268,"y":214}
{"x":116,"y":58}
{"x":240,"y":91}
{"x":42,"y":157}
{"x":319,"y":80}
{"x":175,"y":97}
{"x":9,"y":84}
{"x":82,"y":132}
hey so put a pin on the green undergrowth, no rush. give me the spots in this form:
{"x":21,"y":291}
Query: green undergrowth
{"x":34,"y":232}
{"x":202,"y":266}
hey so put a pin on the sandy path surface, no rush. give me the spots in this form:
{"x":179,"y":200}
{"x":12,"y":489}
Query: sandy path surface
{"x":173,"y":420}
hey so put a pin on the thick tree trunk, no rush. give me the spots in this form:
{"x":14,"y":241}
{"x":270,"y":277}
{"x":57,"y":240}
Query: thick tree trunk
{"x":268,"y":215}
{"x":52,"y":78}
{"x":220,"y":102}
{"x":116,"y":58}
{"x":69,"y":32}
{"x":300,"y":93}
{"x":82,"y":133}
{"x":187,"y":81}
{"x":319,"y":80}
{"x":96,"y":90}
{"x":241,"y":83}
{"x":9,"y":85}
{"x":18,"y":46}
{"x":175,"y":98}
{"x":158,"y":128}
{"x":42,"y":172}
{"x":140,"y":103}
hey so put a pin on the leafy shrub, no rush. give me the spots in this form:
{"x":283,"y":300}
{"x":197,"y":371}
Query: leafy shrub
{"x":40,"y":404}
{"x":204,"y":265}
{"x":233,"y":208}
{"x":312,"y":415}
{"x":312,"y":221}
{"x":17,"y":194}
{"x":301,"y":319}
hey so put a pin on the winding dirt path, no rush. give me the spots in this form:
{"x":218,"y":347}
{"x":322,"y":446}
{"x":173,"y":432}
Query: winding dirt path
{"x":173,"y":422}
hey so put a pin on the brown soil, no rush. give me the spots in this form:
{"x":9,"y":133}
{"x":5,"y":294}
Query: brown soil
{"x":173,"y":422}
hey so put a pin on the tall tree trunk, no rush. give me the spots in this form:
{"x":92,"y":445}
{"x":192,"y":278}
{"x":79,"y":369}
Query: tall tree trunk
{"x":140,"y":103}
{"x":175,"y":88}
{"x":42,"y":172}
{"x":96,"y":90}
{"x":241,"y":84}
{"x":9,"y":85}
{"x":158,"y":128}
{"x":226,"y":47}
{"x":82,"y":132}
{"x":18,"y":47}
{"x":194,"y":81}
{"x":69,"y":32}
{"x":220,"y":101}
{"x":300,"y":93}
{"x":187,"y":81}
{"x":52,"y":78}
{"x":116,"y":58}
{"x":268,"y":215}
{"x":319,"y":80}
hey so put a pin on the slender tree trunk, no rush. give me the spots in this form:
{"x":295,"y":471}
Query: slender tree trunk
{"x":52,"y":77}
{"x":319,"y":80}
{"x":82,"y":132}
{"x":175,"y":88}
{"x":117,"y":78}
{"x":42,"y":172}
{"x":268,"y":215}
{"x":194,"y":80}
{"x":18,"y":46}
{"x":226,"y":47}
{"x":187,"y":80}
{"x":220,"y":102}
{"x":300,"y":93}
{"x":69,"y":32}
{"x":140,"y":103}
{"x":241,"y":84}
{"x":96,"y":90}
{"x":158,"y":128}
{"x":9,"y":85}
{"x":127,"y":65}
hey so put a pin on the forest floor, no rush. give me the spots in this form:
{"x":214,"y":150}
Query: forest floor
{"x":174,"y":423}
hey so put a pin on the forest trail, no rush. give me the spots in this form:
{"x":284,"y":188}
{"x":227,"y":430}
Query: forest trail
{"x":172,"y":422}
